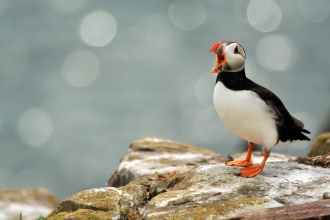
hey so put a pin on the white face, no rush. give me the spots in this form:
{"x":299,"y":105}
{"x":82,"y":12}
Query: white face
{"x":235,"y":57}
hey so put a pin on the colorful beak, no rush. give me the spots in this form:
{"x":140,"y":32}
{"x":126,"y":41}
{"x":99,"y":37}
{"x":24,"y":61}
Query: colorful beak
{"x":215,"y":47}
{"x":220,"y":60}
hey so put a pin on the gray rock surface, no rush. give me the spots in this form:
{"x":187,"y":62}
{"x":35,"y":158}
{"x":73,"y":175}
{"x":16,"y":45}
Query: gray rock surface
{"x":218,"y":192}
{"x":150,"y":156}
{"x":177,"y":181}
{"x":31,"y":202}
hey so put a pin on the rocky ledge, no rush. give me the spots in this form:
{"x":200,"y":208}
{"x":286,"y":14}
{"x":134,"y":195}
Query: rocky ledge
{"x":160,"y":179}
{"x":31,"y":202}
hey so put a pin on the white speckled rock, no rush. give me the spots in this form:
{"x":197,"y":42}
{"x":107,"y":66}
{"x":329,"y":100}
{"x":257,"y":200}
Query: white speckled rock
{"x":196,"y":184}
{"x":218,"y":192}
{"x":151,"y":155}
{"x":31,"y":202}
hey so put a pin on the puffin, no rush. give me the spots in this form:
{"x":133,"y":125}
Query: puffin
{"x":251,"y":111}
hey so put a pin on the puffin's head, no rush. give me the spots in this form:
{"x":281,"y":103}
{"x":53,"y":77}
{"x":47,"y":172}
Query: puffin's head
{"x":230,"y":57}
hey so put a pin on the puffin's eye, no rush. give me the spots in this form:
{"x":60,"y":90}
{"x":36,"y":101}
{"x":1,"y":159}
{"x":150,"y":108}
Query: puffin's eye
{"x":236,"y":50}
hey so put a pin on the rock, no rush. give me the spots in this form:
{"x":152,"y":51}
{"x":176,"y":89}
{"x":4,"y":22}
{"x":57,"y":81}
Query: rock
{"x":326,"y":195}
{"x":321,"y":145}
{"x":258,"y":156}
{"x":311,"y":210}
{"x":322,"y":160}
{"x":155,"y":157}
{"x":103,"y":203}
{"x":31,"y":202}
{"x":170,"y":180}
{"x":218,"y":192}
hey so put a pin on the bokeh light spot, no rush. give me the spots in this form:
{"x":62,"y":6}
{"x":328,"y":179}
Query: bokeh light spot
{"x":275,"y":53}
{"x":264,"y":15}
{"x":98,"y":28}
{"x":35,"y":127}
{"x":187,"y":14}
{"x":132,"y":44}
{"x":80,"y":68}
{"x":65,"y":6}
{"x":315,"y":10}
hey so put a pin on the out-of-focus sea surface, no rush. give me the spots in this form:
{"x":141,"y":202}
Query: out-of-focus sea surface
{"x":80,"y":80}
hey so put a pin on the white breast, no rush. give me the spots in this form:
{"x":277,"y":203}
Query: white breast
{"x":246,"y":114}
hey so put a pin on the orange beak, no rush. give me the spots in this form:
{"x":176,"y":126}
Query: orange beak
{"x":220,"y":57}
{"x":215,"y":47}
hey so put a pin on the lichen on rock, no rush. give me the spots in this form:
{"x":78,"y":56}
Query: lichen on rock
{"x":321,"y":145}
{"x":169,"y":180}
{"x":103,"y":203}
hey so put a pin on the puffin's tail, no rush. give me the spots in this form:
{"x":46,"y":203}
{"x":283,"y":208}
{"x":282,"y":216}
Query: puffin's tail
{"x":303,"y":137}
{"x":296,"y":130}
{"x":297,"y":134}
{"x":304,"y":131}
{"x":294,"y":134}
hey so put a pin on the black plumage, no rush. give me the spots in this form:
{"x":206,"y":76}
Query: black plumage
{"x":288,"y":127}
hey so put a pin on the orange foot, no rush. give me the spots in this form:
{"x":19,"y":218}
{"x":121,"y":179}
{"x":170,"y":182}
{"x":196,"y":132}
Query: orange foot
{"x":251,"y":171}
{"x":240,"y":163}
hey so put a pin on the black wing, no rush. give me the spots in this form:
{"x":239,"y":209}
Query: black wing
{"x":288,"y":127}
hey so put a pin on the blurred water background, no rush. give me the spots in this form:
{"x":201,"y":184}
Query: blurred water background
{"x":80,"y":80}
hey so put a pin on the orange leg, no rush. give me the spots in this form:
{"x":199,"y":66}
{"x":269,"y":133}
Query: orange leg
{"x":254,"y":170}
{"x":246,"y":162}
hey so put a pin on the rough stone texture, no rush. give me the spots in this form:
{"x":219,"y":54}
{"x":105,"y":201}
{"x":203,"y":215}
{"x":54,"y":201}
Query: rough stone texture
{"x":176,"y":181}
{"x":154,"y":157}
{"x":103,"y":203}
{"x":321,"y":145}
{"x":318,"y":210}
{"x":32,"y":202}
{"x":258,"y":156}
{"x":322,"y":160}
{"x":218,"y":192}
